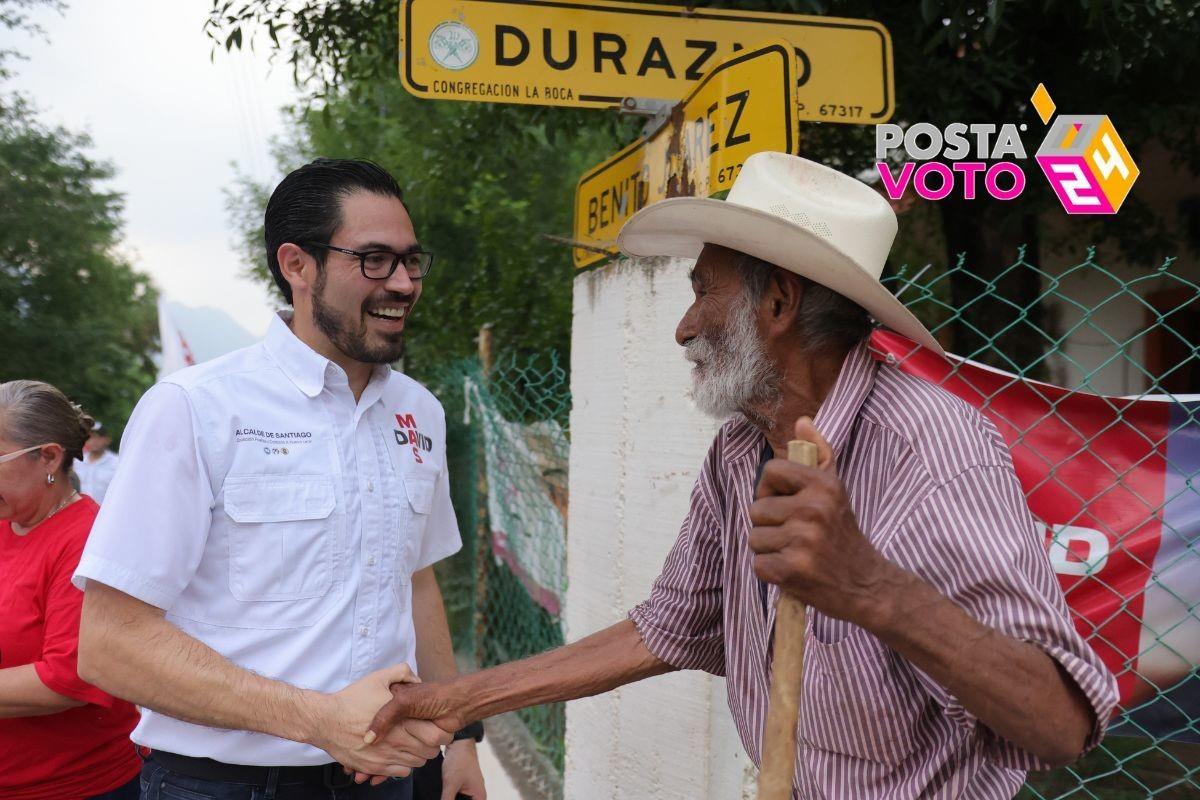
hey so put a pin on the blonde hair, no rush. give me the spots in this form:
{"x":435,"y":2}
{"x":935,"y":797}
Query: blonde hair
{"x":33,"y":413}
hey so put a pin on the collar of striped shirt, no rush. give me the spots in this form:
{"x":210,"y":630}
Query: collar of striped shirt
{"x":836,"y":417}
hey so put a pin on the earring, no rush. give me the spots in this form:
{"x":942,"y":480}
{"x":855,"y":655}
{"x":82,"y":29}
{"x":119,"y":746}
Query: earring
{"x":49,"y":480}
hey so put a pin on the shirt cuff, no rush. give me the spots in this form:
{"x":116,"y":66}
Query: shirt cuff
{"x":1098,"y":686}
{"x":70,"y":685}
{"x":682,"y":652}
{"x":123,"y":579}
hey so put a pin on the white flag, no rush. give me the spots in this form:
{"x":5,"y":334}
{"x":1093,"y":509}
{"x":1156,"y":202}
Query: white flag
{"x":175,"y":351}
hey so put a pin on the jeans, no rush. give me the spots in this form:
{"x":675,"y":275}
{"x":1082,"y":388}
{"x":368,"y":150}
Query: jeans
{"x":160,"y":783}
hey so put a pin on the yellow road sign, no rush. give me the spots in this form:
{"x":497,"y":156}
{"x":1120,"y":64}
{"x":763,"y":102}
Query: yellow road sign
{"x":745,"y":105}
{"x":594,"y":53}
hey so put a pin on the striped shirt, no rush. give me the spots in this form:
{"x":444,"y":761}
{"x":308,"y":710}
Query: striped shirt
{"x":933,"y":488}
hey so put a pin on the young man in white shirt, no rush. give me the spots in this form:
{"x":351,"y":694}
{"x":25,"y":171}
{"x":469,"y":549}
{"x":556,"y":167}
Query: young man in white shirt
{"x":98,"y":465}
{"x":261,"y":570}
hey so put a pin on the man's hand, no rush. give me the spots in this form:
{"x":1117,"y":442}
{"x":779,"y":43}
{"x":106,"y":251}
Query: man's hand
{"x":342,"y":718}
{"x":461,"y":773}
{"x":432,"y":701}
{"x":807,"y":539}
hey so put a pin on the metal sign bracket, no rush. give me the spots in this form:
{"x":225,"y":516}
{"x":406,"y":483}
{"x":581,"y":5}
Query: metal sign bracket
{"x":654,"y":112}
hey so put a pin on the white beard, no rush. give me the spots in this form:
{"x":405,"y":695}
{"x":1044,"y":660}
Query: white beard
{"x":735,"y":375}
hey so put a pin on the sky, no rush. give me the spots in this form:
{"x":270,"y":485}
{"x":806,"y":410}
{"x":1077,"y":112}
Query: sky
{"x":136,"y":75}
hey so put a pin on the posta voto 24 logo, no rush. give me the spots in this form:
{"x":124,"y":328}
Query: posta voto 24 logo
{"x":1082,"y":156}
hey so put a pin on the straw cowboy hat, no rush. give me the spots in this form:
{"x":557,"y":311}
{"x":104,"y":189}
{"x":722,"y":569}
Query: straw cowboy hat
{"x":796,"y":214}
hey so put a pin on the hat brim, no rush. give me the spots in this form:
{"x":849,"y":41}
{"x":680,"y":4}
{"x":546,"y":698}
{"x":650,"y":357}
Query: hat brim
{"x":681,"y":226}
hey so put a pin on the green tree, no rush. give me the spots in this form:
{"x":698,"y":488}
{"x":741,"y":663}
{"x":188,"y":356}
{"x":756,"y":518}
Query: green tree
{"x":955,"y":60}
{"x":72,"y":313}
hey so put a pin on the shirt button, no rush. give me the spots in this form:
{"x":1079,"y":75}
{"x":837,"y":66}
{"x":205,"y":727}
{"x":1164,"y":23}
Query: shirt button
{"x":362,"y":631}
{"x":371,"y":561}
{"x":370,"y":486}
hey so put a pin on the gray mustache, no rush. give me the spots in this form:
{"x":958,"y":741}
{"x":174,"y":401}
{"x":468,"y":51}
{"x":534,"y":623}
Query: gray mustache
{"x":698,"y":350}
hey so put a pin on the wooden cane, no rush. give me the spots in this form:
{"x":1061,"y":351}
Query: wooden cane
{"x":787,"y":673}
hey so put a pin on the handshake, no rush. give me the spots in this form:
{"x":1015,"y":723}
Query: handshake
{"x":388,"y":723}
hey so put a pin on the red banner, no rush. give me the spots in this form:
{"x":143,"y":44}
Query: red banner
{"x":1114,"y":481}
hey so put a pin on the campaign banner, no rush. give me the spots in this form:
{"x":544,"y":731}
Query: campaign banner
{"x":1115,"y":481}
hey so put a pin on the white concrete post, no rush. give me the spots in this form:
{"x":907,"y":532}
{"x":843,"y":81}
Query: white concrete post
{"x":637,"y":444}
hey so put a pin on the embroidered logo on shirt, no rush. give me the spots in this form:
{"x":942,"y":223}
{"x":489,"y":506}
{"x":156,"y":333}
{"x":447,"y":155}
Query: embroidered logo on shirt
{"x":272,"y":437}
{"x":407,"y":435}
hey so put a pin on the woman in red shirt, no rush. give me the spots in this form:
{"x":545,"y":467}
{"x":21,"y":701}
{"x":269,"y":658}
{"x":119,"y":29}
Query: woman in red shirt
{"x":60,"y":738}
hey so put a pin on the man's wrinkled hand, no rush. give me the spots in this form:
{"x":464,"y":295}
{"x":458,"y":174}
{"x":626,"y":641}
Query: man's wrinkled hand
{"x":427,"y":701}
{"x":807,"y":540}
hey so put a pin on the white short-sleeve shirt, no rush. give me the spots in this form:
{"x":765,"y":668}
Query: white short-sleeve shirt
{"x":279,"y":522}
{"x":95,"y":476}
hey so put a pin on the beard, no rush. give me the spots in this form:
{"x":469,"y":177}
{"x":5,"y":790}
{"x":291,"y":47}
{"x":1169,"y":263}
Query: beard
{"x":733,"y":373}
{"x":350,"y":336}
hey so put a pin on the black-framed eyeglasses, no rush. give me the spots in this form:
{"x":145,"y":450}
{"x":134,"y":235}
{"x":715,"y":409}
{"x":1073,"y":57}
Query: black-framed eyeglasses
{"x":379,"y":265}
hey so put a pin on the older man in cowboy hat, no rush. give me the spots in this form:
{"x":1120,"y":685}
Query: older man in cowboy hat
{"x":940,"y":659}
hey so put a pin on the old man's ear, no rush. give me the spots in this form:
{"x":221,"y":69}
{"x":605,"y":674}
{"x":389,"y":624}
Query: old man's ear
{"x":785,"y":291}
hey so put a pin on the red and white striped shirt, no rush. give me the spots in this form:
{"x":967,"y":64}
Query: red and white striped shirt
{"x":933,"y":488}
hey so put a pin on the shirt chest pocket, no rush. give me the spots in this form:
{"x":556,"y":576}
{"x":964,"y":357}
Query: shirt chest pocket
{"x":415,"y":505}
{"x":281,"y":536}
{"x":859,"y":699}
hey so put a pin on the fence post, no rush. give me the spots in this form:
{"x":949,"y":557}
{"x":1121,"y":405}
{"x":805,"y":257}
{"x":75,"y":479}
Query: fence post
{"x":483,"y":533}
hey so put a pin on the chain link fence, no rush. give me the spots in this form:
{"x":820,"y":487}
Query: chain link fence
{"x":508,"y":450}
{"x":1111,"y":468}
{"x":1105,"y":436}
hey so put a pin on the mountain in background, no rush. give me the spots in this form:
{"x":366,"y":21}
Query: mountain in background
{"x":210,"y":332}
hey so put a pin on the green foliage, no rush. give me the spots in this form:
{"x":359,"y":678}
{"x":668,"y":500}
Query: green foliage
{"x":327,"y":44}
{"x":71,"y":311}
{"x":481,"y":182}
{"x":14,"y":16}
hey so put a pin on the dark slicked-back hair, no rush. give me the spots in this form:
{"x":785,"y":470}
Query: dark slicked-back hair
{"x":306,"y":206}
